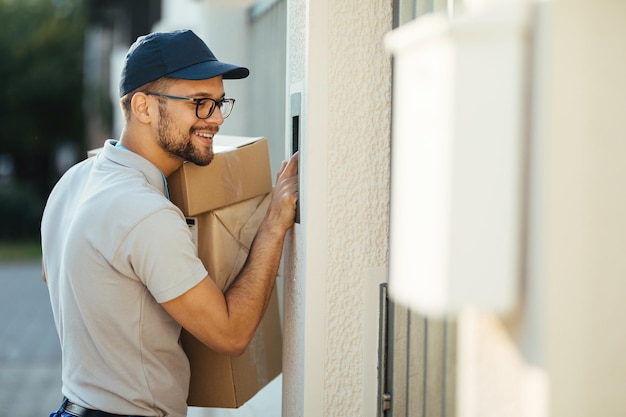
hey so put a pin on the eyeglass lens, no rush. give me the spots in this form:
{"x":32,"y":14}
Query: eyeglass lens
{"x":205,"y":108}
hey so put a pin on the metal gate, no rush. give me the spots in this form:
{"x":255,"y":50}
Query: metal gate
{"x":417,"y":363}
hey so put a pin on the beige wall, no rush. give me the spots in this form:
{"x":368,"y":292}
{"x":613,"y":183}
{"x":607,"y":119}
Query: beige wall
{"x":339,"y":251}
{"x":585,"y":202}
{"x":561,"y":354}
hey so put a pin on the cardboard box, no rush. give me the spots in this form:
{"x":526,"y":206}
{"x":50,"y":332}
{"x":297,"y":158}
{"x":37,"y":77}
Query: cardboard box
{"x":224,"y":232}
{"x":239,"y":171}
{"x":228,"y":382}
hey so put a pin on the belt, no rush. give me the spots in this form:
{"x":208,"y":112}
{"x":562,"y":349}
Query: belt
{"x":79,"y":411}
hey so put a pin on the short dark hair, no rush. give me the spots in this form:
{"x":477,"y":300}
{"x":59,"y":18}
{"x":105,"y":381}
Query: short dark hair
{"x":156,"y":85}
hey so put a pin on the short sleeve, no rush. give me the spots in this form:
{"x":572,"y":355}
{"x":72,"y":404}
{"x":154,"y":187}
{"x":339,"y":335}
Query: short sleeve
{"x":160,"y":252}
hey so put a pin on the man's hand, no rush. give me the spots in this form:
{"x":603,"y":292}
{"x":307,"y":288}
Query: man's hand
{"x":282,"y":209}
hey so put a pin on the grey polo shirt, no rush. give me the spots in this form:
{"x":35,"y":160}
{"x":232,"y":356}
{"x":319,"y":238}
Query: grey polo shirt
{"x":114,"y":248}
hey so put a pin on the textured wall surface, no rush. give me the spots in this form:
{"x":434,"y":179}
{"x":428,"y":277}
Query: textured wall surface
{"x":358,"y":165}
{"x":335,"y":51}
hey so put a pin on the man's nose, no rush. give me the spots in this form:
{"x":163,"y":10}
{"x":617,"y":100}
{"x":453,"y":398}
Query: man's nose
{"x":216,"y":116}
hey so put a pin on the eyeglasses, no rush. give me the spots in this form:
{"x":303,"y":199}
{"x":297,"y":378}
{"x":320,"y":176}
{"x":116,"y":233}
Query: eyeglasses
{"x":204,"y":106}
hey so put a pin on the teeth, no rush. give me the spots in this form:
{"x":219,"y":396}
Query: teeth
{"x":206,"y":135}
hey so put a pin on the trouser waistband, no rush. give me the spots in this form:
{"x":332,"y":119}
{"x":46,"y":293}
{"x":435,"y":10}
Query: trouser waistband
{"x":80,"y":411}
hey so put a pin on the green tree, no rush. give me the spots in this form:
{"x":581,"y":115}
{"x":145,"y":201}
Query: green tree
{"x":41,"y":86}
{"x":41,"y":44}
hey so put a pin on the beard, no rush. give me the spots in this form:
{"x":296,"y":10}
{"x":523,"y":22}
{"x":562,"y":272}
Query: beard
{"x":180,"y":144}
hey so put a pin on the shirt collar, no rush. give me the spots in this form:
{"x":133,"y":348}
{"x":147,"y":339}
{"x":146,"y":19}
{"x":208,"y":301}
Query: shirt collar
{"x":123,"y":156}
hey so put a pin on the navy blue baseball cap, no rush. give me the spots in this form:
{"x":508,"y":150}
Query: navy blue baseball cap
{"x":177,"y":54}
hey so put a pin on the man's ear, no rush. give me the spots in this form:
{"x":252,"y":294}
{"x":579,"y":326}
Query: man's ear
{"x":142,"y":107}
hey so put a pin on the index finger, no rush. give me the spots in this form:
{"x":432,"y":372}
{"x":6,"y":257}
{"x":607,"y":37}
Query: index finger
{"x":292,"y":165}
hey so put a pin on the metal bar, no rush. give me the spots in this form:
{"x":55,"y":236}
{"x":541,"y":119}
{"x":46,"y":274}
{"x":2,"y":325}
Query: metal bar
{"x":445,"y":368}
{"x":426,"y":370}
{"x":384,"y":397}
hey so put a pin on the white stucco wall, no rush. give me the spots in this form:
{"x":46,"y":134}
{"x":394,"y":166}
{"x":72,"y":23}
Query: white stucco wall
{"x":293,"y":309}
{"x":337,"y":256}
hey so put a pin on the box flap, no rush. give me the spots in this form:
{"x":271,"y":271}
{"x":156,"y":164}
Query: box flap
{"x":232,"y":230}
{"x":225,"y":143}
{"x":240,"y":171}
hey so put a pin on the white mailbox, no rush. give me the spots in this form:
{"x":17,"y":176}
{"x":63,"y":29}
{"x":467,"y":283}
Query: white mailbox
{"x":459,"y":146}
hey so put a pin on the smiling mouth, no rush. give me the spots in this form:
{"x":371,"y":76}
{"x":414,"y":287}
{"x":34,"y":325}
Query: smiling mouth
{"x":206,"y":137}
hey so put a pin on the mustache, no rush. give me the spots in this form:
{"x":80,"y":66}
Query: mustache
{"x":211,"y":129}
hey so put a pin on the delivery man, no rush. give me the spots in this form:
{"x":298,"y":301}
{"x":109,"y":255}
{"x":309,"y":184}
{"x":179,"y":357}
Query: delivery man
{"x":118,"y":257}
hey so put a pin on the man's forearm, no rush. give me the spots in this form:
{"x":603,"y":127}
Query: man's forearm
{"x":248,"y":296}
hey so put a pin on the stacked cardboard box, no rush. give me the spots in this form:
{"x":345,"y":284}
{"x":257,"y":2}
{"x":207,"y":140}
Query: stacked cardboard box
{"x":225,"y":203}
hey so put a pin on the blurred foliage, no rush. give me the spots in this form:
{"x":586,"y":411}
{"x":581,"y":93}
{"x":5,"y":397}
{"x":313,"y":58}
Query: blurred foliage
{"x":20,"y":251}
{"x":41,"y":78}
{"x":20,"y":213}
{"x":41,"y":102}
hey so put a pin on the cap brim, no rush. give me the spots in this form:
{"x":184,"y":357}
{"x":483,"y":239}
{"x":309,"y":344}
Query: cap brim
{"x":210,"y":69}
